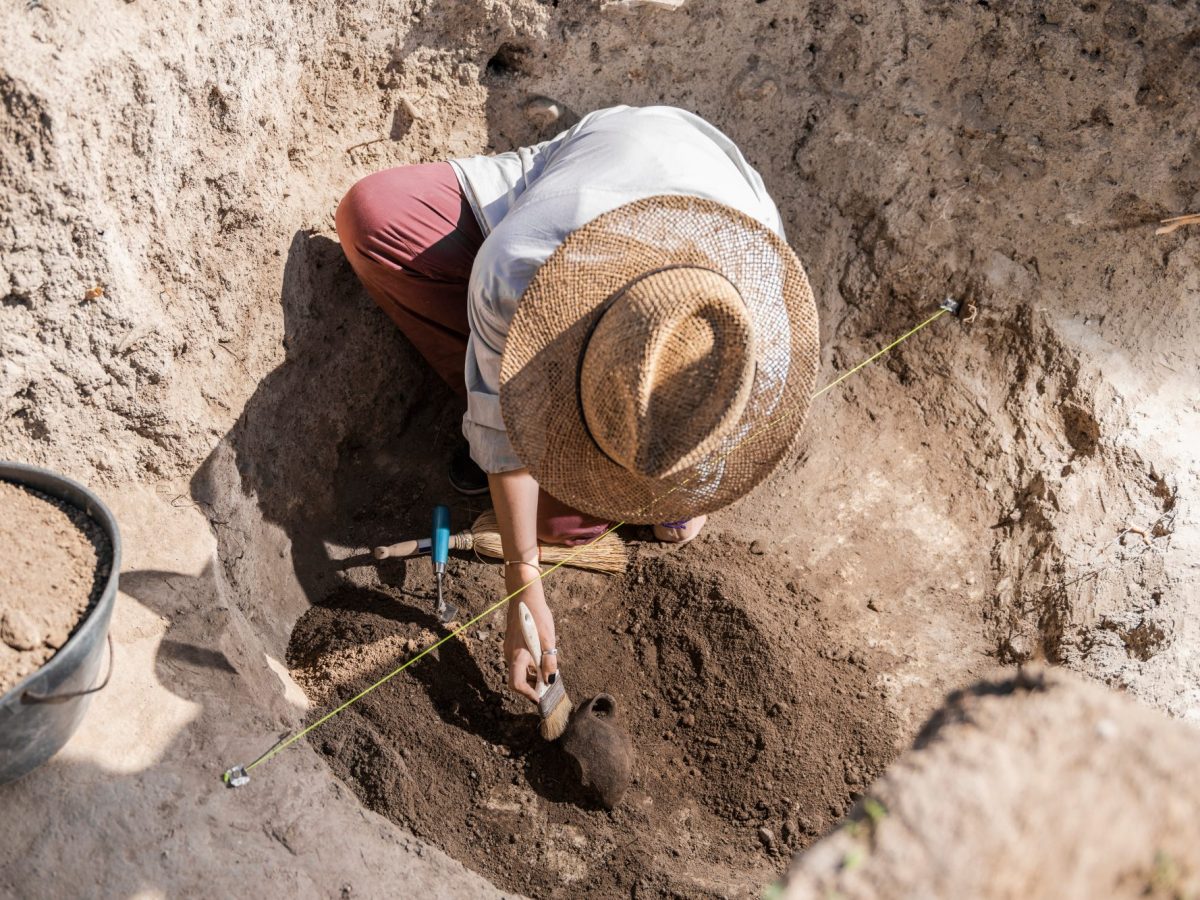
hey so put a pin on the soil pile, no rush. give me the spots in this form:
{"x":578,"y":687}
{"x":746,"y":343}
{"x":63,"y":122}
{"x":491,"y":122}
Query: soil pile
{"x":1099,"y":781}
{"x":51,"y":557}
{"x":751,"y":737}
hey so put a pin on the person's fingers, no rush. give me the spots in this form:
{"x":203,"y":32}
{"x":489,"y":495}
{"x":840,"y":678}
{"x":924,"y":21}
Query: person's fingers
{"x":518,"y":674}
{"x":549,"y":666}
{"x":544,"y":620}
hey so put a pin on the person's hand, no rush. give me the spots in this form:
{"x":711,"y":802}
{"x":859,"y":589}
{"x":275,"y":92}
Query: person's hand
{"x":522,"y":672}
{"x":515,"y":497}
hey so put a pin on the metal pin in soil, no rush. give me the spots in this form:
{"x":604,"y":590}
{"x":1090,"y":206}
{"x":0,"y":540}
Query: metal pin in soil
{"x":441,"y":552}
{"x":951,"y":305}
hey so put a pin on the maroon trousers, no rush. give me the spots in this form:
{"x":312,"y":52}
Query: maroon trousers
{"x":411,"y":237}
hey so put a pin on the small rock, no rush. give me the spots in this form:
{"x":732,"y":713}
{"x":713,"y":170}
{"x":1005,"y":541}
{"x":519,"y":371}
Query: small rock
{"x":757,"y":89}
{"x":410,"y":109}
{"x":17,"y":631}
{"x":767,"y":837}
{"x":543,"y":111}
{"x":757,"y":547}
{"x":778,"y":709}
{"x":788,"y":832}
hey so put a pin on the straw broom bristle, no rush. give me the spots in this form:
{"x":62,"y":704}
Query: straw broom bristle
{"x":606,"y":555}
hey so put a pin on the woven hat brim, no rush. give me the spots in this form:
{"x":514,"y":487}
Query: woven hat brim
{"x":539,"y":398}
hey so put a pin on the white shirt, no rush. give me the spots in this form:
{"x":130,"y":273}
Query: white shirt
{"x":527,"y":201}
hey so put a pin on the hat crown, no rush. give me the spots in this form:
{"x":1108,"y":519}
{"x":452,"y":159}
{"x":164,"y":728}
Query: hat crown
{"x":667,"y":370}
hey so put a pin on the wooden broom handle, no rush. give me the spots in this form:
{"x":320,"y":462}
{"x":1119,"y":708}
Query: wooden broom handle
{"x":464,"y":540}
{"x":402,"y":549}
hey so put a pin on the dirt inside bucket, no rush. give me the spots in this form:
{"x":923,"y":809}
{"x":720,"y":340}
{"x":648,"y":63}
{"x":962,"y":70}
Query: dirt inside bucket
{"x":52,"y":559}
{"x":751,"y":736}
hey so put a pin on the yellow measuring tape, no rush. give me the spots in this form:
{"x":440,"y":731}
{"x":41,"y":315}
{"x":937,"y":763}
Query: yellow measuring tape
{"x":239,"y":775}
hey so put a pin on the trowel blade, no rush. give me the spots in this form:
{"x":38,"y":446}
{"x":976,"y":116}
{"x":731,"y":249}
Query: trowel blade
{"x":445,"y":611}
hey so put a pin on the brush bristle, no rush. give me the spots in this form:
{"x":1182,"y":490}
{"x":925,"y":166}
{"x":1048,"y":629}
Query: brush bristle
{"x":606,"y":555}
{"x":555,"y":724}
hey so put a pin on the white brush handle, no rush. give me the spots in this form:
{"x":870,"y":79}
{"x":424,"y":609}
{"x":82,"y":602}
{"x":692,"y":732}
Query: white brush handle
{"x":534,"y":643}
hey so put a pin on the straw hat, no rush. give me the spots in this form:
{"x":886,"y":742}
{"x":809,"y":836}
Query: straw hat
{"x":661,"y":362}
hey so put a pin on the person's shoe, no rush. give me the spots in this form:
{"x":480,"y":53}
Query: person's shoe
{"x":466,"y":477}
{"x":679,"y":532}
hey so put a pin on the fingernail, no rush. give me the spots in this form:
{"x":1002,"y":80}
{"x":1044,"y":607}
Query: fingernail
{"x":551,"y":678}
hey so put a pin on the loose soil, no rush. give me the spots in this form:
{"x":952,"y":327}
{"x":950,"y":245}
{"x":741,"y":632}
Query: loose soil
{"x":751,"y":736}
{"x":51,"y":561}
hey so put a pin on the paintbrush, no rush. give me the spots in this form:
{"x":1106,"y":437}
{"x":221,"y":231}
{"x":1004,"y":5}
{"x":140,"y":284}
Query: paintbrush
{"x":554,"y":705}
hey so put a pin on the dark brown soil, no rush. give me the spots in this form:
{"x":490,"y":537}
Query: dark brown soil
{"x":52,"y":559}
{"x":753,"y":734}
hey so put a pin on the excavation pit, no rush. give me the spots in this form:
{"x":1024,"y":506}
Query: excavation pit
{"x":751,"y":737}
{"x":180,"y":328}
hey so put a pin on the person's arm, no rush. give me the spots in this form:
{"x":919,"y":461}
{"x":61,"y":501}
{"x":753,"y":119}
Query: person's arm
{"x":515,"y":497}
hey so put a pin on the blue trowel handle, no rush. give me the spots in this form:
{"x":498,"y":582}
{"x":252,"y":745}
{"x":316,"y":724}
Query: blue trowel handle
{"x":441,"y":535}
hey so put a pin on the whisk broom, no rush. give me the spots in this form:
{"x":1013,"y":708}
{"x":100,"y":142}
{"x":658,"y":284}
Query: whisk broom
{"x":606,"y":555}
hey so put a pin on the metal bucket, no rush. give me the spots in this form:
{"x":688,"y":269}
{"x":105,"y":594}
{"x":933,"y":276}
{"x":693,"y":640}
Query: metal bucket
{"x":41,"y":712}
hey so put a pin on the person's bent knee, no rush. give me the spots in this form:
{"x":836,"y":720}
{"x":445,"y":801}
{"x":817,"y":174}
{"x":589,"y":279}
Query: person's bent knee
{"x":375,"y":217}
{"x":356,"y":221}
{"x":570,"y":534}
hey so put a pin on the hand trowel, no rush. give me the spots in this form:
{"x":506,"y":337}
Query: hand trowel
{"x":440,"y":552}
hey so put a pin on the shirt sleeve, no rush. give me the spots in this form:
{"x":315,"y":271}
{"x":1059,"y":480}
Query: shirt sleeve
{"x":483,"y":426}
{"x":491,"y":303}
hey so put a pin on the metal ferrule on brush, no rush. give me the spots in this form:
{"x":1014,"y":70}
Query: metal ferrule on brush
{"x":549,"y":700}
